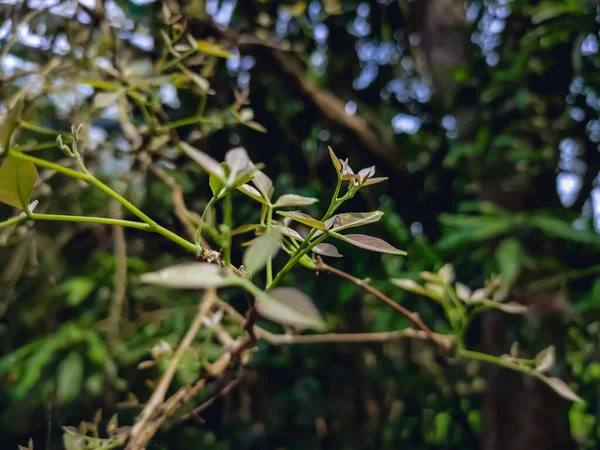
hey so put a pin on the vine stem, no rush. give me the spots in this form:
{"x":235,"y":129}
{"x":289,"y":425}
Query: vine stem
{"x":306,"y":245}
{"x":152,"y":225}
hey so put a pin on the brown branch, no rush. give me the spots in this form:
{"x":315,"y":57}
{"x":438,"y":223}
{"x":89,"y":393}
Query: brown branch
{"x":412,"y":316}
{"x":120,"y":276}
{"x":446,"y":342}
{"x":141,"y":432}
{"x":334,"y":109}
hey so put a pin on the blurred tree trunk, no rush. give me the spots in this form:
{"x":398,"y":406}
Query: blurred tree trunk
{"x":519,"y":412}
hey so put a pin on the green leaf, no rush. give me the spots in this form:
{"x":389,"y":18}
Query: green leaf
{"x":294,"y":200}
{"x":10,"y":124}
{"x":261,"y":251}
{"x":195,"y":275}
{"x":555,"y":227}
{"x":562,"y":389}
{"x":208,"y":163}
{"x":77,"y":289}
{"x":289,"y":306}
{"x":17,"y":180}
{"x":544,"y":360}
{"x":212,"y":49}
{"x":301,"y":217}
{"x":245,"y":228}
{"x":349,"y":220}
{"x":336,"y":163}
{"x":252,"y":193}
{"x":217,"y":186}
{"x":509,"y":255}
{"x":69,"y":378}
{"x":327,"y":250}
{"x":369,"y":243}
{"x":106,"y":99}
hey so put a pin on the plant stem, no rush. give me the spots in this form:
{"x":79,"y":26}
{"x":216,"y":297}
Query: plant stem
{"x":14,"y":221}
{"x":270,"y":261}
{"x":497,"y":361}
{"x":299,"y":253}
{"x":306,"y":245}
{"x":128,"y":205}
{"x":86,"y":219}
{"x":227,"y":219}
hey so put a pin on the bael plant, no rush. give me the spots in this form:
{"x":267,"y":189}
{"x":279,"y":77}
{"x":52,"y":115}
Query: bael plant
{"x":274,"y":232}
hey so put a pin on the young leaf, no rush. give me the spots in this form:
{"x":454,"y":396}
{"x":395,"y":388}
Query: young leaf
{"x":238,"y":162}
{"x":336,"y":163}
{"x":327,"y":250}
{"x":446,"y":273}
{"x":262,"y":250}
{"x":375,"y":180}
{"x":409,"y":285}
{"x":9,"y":124}
{"x":206,"y":162}
{"x":290,"y":232}
{"x":544,"y":361}
{"x":301,"y":217}
{"x":17,"y":180}
{"x":196,"y":275}
{"x":105,"y":99}
{"x":349,"y":220}
{"x":294,"y":200}
{"x":562,"y":389}
{"x":245,"y":228}
{"x":509,"y":255}
{"x":252,"y":193}
{"x":510,"y":307}
{"x":369,"y":243}
{"x":212,"y":49}
{"x":216,"y":184}
{"x":263,"y":183}
{"x":462,"y":291}
{"x":366,"y":173}
{"x":69,"y":378}
{"x":289,"y":306}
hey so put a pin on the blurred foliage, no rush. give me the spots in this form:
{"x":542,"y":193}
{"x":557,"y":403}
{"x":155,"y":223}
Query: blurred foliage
{"x":493,"y":169}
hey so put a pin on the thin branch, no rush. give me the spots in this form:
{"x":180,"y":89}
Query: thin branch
{"x":120,"y":277}
{"x":413,"y":317}
{"x":140,"y":432}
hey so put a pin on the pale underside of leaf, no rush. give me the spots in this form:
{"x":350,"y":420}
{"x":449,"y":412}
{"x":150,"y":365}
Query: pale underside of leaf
{"x":262,"y":249}
{"x":208,"y":163}
{"x":369,"y":243}
{"x":289,"y":306}
{"x":294,"y":200}
{"x":196,"y":275}
{"x":327,"y":250}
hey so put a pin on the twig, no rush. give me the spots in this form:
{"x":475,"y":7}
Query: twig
{"x":140,"y":432}
{"x":120,"y":277}
{"x":444,"y":341}
{"x":221,"y":393}
{"x":413,"y":317}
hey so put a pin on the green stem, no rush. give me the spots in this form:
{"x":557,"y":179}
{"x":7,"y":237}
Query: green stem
{"x":209,"y":205}
{"x":227,"y":219}
{"x":270,"y":261}
{"x":299,"y":253}
{"x":193,"y":120}
{"x":306,"y":245}
{"x":498,"y":361}
{"x":85,"y":219}
{"x":14,"y":221}
{"x":94,"y":181}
